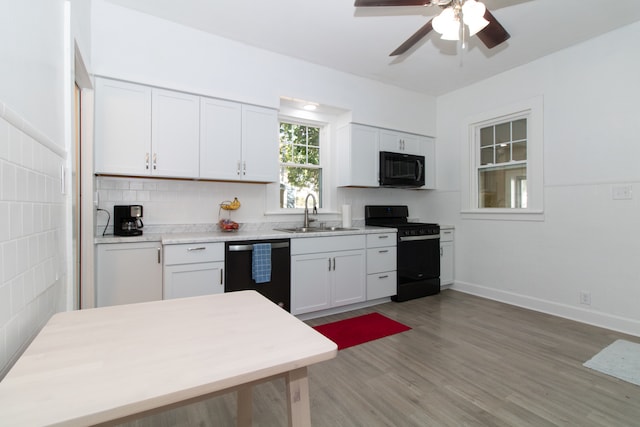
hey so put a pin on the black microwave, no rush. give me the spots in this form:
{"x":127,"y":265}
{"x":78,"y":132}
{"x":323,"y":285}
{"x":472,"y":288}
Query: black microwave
{"x":401,"y":170}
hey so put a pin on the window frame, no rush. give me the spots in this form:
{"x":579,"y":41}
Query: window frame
{"x":323,"y":144}
{"x":532,"y":110}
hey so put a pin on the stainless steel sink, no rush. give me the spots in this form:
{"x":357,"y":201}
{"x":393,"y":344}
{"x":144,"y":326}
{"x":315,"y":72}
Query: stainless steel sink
{"x":313,"y":229}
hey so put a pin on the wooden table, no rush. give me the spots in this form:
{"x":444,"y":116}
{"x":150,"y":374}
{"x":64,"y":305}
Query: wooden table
{"x":114,"y":363}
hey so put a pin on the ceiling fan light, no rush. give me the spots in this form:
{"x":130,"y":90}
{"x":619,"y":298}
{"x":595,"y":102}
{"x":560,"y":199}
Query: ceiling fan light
{"x":472,"y":9}
{"x":447,"y":24}
{"x":477,"y":25}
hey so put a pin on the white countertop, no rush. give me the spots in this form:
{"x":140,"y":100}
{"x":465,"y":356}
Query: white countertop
{"x":221,"y":236}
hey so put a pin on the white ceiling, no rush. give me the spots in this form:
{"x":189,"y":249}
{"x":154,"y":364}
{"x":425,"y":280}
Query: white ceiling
{"x":335,"y":34}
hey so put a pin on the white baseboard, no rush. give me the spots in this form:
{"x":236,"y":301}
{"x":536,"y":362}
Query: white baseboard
{"x":579,"y":314}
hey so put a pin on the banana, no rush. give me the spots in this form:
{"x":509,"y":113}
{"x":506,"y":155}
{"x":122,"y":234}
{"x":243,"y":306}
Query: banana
{"x":230,"y":206}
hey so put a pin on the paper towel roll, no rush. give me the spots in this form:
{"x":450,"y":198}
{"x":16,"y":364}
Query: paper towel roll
{"x":346,"y":216}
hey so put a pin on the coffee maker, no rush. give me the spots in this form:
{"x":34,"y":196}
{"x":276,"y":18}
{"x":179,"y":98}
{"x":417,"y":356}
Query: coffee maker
{"x":127,"y":220}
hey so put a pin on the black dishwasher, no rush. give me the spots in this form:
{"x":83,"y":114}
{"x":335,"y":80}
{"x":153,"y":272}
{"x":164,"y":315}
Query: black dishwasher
{"x":238,"y":270}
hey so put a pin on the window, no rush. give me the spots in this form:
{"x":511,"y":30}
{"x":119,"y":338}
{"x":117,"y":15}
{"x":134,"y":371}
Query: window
{"x":502,"y":168}
{"x":504,"y":159}
{"x":300,"y":165}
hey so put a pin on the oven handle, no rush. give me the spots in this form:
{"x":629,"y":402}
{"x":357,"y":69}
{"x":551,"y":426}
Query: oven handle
{"x":412,"y":238}
{"x":243,"y":248}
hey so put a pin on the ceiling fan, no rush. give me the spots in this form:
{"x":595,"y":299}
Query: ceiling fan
{"x":458,"y":19}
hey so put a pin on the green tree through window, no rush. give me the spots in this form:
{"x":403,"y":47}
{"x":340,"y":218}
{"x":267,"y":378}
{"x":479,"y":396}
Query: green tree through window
{"x":300,"y":168}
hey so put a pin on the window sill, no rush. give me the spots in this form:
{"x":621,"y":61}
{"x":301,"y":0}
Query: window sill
{"x":504,"y":215}
{"x":300,"y":212}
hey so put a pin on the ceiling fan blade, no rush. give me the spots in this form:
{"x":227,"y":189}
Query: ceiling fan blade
{"x":423,"y":31}
{"x":494,"y":33}
{"x":367,"y":3}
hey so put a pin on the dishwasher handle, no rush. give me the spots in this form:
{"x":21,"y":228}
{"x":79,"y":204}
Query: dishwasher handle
{"x":245,"y":248}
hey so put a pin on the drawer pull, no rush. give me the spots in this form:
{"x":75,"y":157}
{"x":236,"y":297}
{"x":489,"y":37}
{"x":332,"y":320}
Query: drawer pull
{"x":384,"y":236}
{"x":383,"y":251}
{"x":383,"y":277}
{"x":199,"y":248}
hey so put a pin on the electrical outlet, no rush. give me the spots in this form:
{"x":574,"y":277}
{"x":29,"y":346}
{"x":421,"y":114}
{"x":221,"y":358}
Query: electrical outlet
{"x":622,"y":192}
{"x":585,"y":298}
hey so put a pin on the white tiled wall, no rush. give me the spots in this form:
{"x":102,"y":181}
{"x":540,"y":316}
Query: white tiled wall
{"x":32,"y":224}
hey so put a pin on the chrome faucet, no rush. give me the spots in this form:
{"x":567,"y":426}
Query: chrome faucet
{"x":306,"y":210}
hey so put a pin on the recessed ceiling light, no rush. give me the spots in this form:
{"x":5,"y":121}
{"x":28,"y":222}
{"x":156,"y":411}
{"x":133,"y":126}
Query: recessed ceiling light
{"x":310,"y":107}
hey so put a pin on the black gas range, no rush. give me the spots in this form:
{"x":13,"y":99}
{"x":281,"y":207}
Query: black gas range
{"x":418,"y":250}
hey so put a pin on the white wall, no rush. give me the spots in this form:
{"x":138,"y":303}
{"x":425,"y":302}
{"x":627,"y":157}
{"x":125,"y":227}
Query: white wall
{"x":587,"y":241}
{"x":32,"y":149}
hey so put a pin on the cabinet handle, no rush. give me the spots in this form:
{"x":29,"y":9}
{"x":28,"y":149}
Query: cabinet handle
{"x":383,"y":251}
{"x":238,"y":168}
{"x":384,"y":236}
{"x":383,"y":277}
{"x":199,"y":248}
{"x":329,"y":264}
{"x":334,"y":264}
{"x":155,"y":161}
{"x":159,"y":258}
{"x":146,"y":161}
{"x":221,"y":276}
{"x":441,"y":252}
{"x":244,"y":168}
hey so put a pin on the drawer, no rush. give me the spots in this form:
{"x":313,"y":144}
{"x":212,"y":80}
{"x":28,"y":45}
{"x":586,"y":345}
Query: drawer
{"x":381,"y":285}
{"x":446,"y":235}
{"x":381,"y":259}
{"x":381,"y":239}
{"x":313,"y":245}
{"x":189,"y":253}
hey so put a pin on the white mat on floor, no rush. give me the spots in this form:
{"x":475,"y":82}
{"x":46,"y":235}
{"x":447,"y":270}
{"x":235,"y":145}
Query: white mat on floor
{"x":620,"y":359}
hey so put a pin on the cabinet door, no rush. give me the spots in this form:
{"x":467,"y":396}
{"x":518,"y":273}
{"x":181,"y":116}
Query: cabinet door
{"x":175,"y":134}
{"x":446,"y":263}
{"x":192,"y":280}
{"x":259,"y":144}
{"x":364,"y":161}
{"x":122,"y":128}
{"x":310,"y":283}
{"x":220,"y":139}
{"x":349,"y":278}
{"x":429,"y":151}
{"x":128,"y":273}
{"x":399,"y":142}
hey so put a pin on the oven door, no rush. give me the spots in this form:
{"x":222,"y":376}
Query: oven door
{"x":418,"y":266}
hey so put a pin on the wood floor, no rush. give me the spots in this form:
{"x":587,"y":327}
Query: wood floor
{"x":467,"y":361}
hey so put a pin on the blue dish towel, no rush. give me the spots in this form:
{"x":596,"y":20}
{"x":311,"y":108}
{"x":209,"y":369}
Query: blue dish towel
{"x":261,"y":263}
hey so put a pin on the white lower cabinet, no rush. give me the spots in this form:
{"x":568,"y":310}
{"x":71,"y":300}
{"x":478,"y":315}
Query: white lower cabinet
{"x":193,"y":269}
{"x":327,"y":272}
{"x":381,"y":265}
{"x":128,"y":273}
{"x":446,"y":257}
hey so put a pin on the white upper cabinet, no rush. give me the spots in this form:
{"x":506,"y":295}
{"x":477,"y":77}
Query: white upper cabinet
{"x":122,"y":128}
{"x":238,"y":142}
{"x":357,"y":156}
{"x":259,"y":144}
{"x":220,"y":139}
{"x":400,"y":142}
{"x":145,"y":131}
{"x":174,"y":134}
{"x":429,"y":151}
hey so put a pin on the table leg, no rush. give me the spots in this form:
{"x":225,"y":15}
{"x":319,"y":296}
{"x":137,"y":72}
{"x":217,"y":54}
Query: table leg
{"x":245,"y":406}
{"x":298,"y":398}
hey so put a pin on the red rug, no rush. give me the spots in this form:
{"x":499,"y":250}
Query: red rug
{"x":357,"y":330}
